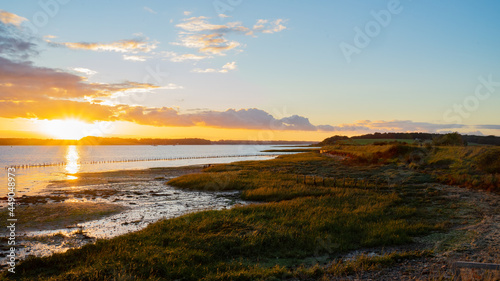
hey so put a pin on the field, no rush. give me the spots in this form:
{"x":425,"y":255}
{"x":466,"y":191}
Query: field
{"x":310,"y":211}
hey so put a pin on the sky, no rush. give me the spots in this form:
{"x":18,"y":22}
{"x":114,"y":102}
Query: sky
{"x":250,"y":70}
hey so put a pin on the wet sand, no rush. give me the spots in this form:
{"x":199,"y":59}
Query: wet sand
{"x":139,"y":197}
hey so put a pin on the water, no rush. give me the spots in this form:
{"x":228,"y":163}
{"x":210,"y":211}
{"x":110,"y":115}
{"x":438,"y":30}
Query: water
{"x":76,"y":159}
{"x":145,"y":201}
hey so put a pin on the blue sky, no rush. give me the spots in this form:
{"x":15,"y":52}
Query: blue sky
{"x":424,"y":62}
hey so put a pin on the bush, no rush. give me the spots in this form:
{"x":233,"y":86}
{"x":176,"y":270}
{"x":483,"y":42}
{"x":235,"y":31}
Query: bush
{"x":489,"y":161}
{"x":453,"y":139}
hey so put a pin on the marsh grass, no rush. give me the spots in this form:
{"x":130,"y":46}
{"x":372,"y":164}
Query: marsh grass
{"x":301,"y":225}
{"x":362,"y":263}
{"x":471,"y":166}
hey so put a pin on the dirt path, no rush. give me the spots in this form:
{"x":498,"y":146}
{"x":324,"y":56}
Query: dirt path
{"x":477,"y":240}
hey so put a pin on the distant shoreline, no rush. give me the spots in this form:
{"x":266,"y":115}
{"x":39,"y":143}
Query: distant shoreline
{"x":153,"y":142}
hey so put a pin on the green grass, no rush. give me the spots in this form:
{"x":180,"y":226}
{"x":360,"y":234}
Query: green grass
{"x":372,"y":141}
{"x":471,"y":166}
{"x":365,"y":263}
{"x":301,"y":224}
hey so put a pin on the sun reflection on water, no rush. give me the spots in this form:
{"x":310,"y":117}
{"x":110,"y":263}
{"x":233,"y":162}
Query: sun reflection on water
{"x":72,"y":165}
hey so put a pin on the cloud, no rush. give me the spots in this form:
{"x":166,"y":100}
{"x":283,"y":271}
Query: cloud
{"x":135,"y":58}
{"x":475,"y":133}
{"x":266,"y":26}
{"x":206,"y":70}
{"x":488,"y":127}
{"x":211,"y":44}
{"x":149,"y":10}
{"x":187,"y":13}
{"x":197,"y":24}
{"x":24,"y":82}
{"x":28,"y":91}
{"x":171,"y":86}
{"x":274,"y":26}
{"x":10,"y":18}
{"x":14,"y":43}
{"x":409,"y":126}
{"x":223,"y":16}
{"x":208,"y":38}
{"x":225,"y":68}
{"x":57,"y":109}
{"x":185,"y":57}
{"x":251,"y":119}
{"x":85,"y":71}
{"x":342,"y":128}
{"x":230,"y":66}
{"x":121,"y":46}
{"x":390,"y":126}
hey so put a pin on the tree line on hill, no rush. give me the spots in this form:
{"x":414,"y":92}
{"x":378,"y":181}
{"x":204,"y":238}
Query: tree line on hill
{"x":438,"y":139}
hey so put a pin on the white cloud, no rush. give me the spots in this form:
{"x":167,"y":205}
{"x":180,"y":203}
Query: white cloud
{"x":171,"y":86}
{"x":186,"y":57}
{"x":230,"y":66}
{"x":135,"y":58}
{"x":150,"y":10}
{"x":187,"y":13}
{"x":85,"y":71}
{"x":207,"y":70}
{"x":275,"y":26}
{"x":208,"y":38}
{"x":225,"y":68}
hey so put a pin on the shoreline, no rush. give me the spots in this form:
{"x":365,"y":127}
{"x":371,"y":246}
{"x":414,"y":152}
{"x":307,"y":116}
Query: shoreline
{"x":102,"y":205}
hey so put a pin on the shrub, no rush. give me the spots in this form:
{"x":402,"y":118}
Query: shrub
{"x":489,"y":161}
{"x":453,"y":139}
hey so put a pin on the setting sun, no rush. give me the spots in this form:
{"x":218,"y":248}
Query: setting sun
{"x":69,"y":129}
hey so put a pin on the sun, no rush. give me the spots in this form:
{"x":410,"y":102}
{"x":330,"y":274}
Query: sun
{"x":67,"y":129}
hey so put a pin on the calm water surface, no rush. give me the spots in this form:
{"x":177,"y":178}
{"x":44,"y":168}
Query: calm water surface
{"x":75,"y":159}
{"x":146,"y":202}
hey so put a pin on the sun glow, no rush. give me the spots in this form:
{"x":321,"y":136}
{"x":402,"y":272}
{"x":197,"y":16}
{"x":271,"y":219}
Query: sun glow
{"x":68,"y":129}
{"x":72,"y":164}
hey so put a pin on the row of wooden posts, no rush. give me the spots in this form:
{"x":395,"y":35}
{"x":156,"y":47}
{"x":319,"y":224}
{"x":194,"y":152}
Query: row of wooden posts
{"x":25,"y":166}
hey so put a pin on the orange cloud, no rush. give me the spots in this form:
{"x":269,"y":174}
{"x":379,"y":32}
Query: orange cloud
{"x":121,"y":46}
{"x":10,"y":18}
{"x":57,"y":109}
{"x":21,"y":81}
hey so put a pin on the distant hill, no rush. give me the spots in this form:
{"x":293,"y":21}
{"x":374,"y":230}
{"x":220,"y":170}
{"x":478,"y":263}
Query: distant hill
{"x":103,"y":141}
{"x":277,"y":142}
{"x":122,"y":141}
{"x":490,"y":140}
{"x":130,"y":141}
